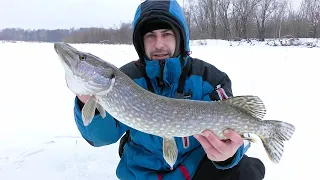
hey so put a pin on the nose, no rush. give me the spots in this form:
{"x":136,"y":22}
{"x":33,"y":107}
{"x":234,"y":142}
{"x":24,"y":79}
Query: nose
{"x":159,"y":44}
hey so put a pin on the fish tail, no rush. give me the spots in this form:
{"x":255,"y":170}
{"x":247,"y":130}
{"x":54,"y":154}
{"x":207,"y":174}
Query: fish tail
{"x":274,"y":144}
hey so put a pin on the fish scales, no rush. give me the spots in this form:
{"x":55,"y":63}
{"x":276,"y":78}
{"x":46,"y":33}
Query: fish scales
{"x":212,"y":116}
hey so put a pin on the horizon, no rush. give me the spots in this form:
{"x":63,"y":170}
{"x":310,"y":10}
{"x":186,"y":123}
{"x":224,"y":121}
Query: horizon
{"x":68,"y":14}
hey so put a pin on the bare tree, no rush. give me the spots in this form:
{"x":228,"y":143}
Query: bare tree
{"x":236,"y":21}
{"x":278,"y":17}
{"x":188,"y":9}
{"x":295,"y":23}
{"x":223,"y":10}
{"x":201,"y":15}
{"x":245,"y":9}
{"x":263,"y":11}
{"x":311,"y":14}
{"x":213,"y":18}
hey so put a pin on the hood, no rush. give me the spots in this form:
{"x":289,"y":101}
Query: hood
{"x":169,"y":11}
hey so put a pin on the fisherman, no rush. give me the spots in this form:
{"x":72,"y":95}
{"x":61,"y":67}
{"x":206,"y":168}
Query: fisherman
{"x":165,"y":67}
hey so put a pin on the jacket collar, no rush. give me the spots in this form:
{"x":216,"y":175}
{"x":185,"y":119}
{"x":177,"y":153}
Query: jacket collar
{"x":170,"y":69}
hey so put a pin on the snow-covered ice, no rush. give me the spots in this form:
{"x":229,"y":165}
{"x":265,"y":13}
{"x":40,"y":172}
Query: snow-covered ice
{"x":39,"y":139}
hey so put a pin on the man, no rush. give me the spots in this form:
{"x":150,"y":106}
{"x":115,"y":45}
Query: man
{"x":165,"y":67}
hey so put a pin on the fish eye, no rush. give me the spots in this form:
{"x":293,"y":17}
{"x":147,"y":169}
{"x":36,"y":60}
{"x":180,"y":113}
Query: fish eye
{"x":82,"y":57}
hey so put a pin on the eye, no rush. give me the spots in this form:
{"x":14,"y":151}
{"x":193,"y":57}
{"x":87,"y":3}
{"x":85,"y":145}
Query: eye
{"x":149,"y":35}
{"x":82,"y":57}
{"x":168,"y":33}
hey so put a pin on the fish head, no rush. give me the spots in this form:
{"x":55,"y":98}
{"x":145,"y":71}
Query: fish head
{"x":86,"y":74}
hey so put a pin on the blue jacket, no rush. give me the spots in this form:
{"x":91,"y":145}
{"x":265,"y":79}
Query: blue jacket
{"x":142,"y":156}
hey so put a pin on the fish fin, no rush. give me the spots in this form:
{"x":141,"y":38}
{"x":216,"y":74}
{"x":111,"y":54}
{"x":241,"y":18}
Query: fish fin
{"x":249,"y":104}
{"x":274,"y":144}
{"x":88,"y":110}
{"x":170,"y":150}
{"x":101,"y":110}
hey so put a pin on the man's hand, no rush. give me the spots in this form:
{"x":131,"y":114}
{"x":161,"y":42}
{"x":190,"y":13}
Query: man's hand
{"x":219,"y":150}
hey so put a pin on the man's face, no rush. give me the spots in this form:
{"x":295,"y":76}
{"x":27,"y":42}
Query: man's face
{"x":159,"y":44}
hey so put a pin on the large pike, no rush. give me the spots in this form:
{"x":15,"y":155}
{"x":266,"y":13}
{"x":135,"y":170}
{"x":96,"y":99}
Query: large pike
{"x":114,"y":92}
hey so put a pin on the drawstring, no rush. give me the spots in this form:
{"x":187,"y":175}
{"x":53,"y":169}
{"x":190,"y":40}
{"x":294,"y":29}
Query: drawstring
{"x":161,"y":82}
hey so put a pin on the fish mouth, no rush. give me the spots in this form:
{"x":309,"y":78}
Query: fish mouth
{"x":67,"y":54}
{"x":60,"y":46}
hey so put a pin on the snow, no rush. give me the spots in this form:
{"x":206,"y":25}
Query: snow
{"x":39,"y":139}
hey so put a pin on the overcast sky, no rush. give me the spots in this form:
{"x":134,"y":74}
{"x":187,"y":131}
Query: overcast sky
{"x":65,"y":14}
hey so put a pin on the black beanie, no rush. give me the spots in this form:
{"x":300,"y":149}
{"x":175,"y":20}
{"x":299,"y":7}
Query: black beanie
{"x":155,"y":24}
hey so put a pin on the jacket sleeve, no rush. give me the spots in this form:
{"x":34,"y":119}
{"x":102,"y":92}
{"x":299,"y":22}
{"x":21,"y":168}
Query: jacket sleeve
{"x":223,"y":90}
{"x":101,"y":131}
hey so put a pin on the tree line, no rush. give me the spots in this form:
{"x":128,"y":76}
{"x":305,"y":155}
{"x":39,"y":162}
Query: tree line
{"x":121,"y":35}
{"x":243,"y":19}
{"x":206,"y":19}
